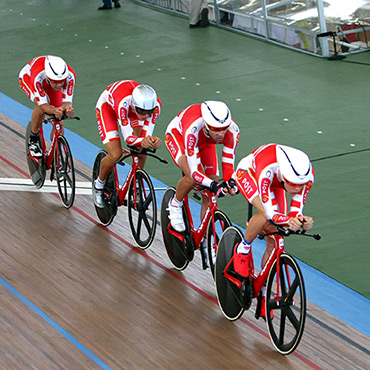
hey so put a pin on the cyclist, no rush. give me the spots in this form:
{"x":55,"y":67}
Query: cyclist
{"x":264,"y":177}
{"x":190,"y":139}
{"x":49,"y":82}
{"x":136,"y":108}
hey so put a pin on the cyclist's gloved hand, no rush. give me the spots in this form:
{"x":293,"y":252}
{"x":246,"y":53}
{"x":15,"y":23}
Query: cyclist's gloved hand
{"x":218,"y":189}
{"x":231,"y":184}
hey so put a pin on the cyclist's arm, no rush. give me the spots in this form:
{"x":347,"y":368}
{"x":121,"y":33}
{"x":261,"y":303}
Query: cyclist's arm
{"x":230,"y":144}
{"x":125,"y":124}
{"x":265,"y":178}
{"x":68,"y":109}
{"x":296,"y":208}
{"x":51,"y":110}
{"x":193,"y":156}
{"x":295,"y":219}
{"x":68,"y":89}
{"x":150,"y":141}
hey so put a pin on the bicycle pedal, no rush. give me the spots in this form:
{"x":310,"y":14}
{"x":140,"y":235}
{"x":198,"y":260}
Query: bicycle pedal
{"x":257,"y":315}
{"x":246,"y":293}
{"x":52,"y":174}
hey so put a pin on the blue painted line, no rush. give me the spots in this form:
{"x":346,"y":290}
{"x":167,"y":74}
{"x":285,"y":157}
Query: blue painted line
{"x":55,"y":326}
{"x":325,"y":292}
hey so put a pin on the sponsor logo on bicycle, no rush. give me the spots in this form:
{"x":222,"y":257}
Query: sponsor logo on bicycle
{"x":202,"y":224}
{"x":267,"y":264}
{"x":265,"y":185}
{"x":190,"y":144}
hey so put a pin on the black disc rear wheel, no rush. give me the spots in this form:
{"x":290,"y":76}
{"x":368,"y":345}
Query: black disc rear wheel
{"x":106,"y":214}
{"x":175,"y":248}
{"x":36,"y":167}
{"x":228,"y":294}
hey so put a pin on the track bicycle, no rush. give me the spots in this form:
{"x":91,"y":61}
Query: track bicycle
{"x":141,"y":201}
{"x":58,"y":158}
{"x":285,"y":291}
{"x":180,"y":247}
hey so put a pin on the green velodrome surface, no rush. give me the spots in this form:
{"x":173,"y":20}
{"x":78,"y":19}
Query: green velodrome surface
{"x":275,"y":95}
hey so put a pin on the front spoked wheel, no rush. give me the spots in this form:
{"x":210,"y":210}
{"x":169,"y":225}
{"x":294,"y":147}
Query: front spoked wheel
{"x":214,"y":232}
{"x":142,"y":209}
{"x":228,"y":294}
{"x":106,"y":214}
{"x":65,"y":172}
{"x":285,"y":310}
{"x":175,"y":248}
{"x":37,"y":166}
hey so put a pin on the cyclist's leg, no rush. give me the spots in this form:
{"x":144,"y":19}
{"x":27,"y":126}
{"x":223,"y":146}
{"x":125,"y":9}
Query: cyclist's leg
{"x":186,"y":183}
{"x":108,"y":130}
{"x":208,"y":158}
{"x":26,"y":85}
{"x":114,"y":153}
{"x":37,"y":117}
{"x":175,"y":146}
{"x":34,"y":144}
{"x":55,"y":99}
{"x":282,"y":206}
{"x":248,"y":187}
{"x":175,"y":204}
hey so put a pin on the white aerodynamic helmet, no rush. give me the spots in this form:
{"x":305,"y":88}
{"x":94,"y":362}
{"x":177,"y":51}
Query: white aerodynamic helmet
{"x":56,"y":68}
{"x":216,"y":114}
{"x":144,"y":97}
{"x":295,"y":166}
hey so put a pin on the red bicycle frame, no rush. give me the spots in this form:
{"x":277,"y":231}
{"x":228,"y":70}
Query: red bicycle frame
{"x":49,"y":153}
{"x":258,"y":280}
{"x":122,"y":190}
{"x":199,"y":233}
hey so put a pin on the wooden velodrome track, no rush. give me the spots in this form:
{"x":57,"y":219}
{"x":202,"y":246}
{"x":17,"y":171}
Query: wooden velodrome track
{"x":76,"y":295}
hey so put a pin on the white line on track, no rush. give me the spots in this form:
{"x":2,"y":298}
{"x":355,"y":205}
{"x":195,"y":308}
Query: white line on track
{"x":13,"y":184}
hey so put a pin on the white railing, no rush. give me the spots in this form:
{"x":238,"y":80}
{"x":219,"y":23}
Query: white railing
{"x":295,"y":24}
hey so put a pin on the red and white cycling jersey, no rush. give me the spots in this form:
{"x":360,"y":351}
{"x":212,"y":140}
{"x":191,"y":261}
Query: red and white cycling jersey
{"x":257,"y":174}
{"x":33,"y":81}
{"x":113,"y":105}
{"x":186,"y":135}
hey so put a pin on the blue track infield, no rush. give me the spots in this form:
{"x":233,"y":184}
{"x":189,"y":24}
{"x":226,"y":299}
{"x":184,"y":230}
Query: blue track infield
{"x":333,"y":297}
